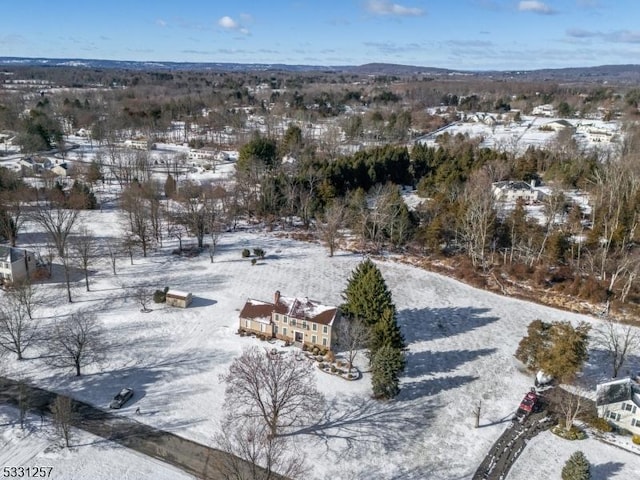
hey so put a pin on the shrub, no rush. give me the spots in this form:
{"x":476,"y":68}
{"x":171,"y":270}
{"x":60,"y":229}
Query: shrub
{"x":258,"y":252}
{"x":321,"y":365}
{"x":253,"y":261}
{"x":333,"y":369}
{"x":574,"y":433}
{"x":636,"y":439}
{"x":599,"y":424}
{"x":160,"y":296}
{"x":319,"y":358}
{"x":339,"y":363}
{"x":246,"y":253}
{"x":330,"y":356}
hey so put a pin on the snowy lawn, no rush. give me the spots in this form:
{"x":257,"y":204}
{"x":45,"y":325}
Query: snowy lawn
{"x":461,"y":343}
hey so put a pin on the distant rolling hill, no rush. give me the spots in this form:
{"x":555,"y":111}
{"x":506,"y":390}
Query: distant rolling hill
{"x":619,"y":73}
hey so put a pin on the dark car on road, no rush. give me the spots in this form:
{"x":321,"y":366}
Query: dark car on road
{"x":121,"y":398}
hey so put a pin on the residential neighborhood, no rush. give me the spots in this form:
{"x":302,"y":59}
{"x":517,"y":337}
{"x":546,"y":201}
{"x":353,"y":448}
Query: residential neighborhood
{"x":347,"y":242}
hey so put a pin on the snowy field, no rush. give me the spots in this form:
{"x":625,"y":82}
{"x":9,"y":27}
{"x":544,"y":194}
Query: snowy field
{"x":461,"y":344}
{"x":518,"y":136}
{"x":545,"y":455}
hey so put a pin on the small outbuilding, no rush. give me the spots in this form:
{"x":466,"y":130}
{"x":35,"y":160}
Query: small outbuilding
{"x":176,"y":298}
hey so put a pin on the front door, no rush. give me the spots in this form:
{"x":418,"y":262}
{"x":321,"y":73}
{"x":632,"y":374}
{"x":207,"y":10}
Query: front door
{"x":299,"y":336}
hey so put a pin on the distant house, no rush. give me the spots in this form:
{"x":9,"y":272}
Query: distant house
{"x":15,"y":264}
{"x":60,"y":170}
{"x":511,"y":191}
{"x":35,"y":165}
{"x":558,"y":125}
{"x":205,"y":153}
{"x":619,"y":403}
{"x":176,"y":298}
{"x":544,"y":111}
{"x":139,"y":144}
{"x":297,"y":320}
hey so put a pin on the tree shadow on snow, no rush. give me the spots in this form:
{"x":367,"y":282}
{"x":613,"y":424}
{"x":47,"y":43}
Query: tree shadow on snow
{"x":359,"y":423}
{"x":605,"y":470}
{"x":434,"y":323}
{"x":432,"y":386}
{"x":429,"y":362}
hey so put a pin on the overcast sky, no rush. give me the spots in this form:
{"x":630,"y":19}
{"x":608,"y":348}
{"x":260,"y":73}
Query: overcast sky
{"x":457,"y":34}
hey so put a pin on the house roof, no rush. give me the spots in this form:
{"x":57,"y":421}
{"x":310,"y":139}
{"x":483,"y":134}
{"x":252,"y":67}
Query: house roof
{"x":177,"y":294}
{"x":513,"y":185}
{"x":617,"y":391}
{"x":298,"y":308}
{"x":11,"y":254}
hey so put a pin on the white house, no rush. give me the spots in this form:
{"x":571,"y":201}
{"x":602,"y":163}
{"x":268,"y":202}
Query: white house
{"x":15,"y":264}
{"x":511,"y":191}
{"x":544,"y":111}
{"x":618,"y":401}
{"x":60,"y":170}
{"x":205,"y":153}
{"x":139,"y":144}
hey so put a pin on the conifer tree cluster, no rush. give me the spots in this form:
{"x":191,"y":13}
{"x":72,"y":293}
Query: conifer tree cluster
{"x":368,"y":299}
{"x":577,"y":467}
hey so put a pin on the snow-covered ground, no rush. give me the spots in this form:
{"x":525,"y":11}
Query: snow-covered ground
{"x":518,"y":136}
{"x":545,"y":455}
{"x":461,"y":343}
{"x":89,"y":457}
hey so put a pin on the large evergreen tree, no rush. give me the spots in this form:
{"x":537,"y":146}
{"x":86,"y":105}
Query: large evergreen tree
{"x":558,"y":348}
{"x":368,"y":299}
{"x":386,"y":332}
{"x":577,"y":467}
{"x":386,"y":363}
{"x":367,"y":295}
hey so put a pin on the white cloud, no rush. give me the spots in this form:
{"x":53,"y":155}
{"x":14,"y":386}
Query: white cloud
{"x":535,"y":6}
{"x":384,"y":7}
{"x":228,"y":23}
{"x":161,"y":23}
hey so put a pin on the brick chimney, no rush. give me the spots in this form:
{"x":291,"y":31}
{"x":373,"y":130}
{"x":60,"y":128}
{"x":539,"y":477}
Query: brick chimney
{"x":276,"y":297}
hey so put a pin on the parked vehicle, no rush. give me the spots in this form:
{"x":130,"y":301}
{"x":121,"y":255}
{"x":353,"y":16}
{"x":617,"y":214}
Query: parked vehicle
{"x":121,"y":398}
{"x":529,"y":404}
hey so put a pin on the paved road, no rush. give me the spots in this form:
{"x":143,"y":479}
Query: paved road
{"x":194,"y":458}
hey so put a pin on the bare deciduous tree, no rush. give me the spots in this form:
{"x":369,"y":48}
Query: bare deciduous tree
{"x":570,"y":404}
{"x":618,"y":341}
{"x":26,"y":295}
{"x":84,"y":249}
{"x":17,"y":330}
{"x":144,"y":297}
{"x":77,"y":341}
{"x":353,"y":335}
{"x":63,"y":417}
{"x":24,"y":401}
{"x":256,"y":454}
{"x":278,"y":390}
{"x":333,"y":222}
{"x":59,"y":222}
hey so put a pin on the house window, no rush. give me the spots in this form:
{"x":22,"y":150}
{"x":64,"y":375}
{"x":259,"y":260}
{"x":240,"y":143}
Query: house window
{"x":277,"y":317}
{"x":325,"y":329}
{"x":293,"y":322}
{"x":284,"y":319}
{"x":635,"y":422}
{"x":304,"y":325}
{"x":284,"y":331}
{"x":314,"y":327}
{"x":262,"y":327}
{"x":247,"y":323}
{"x":314,"y":339}
{"x":324,"y":341}
{"x":627,"y":406}
{"x":614,"y":416}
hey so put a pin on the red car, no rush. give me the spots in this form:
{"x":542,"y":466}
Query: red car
{"x":529,"y":403}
